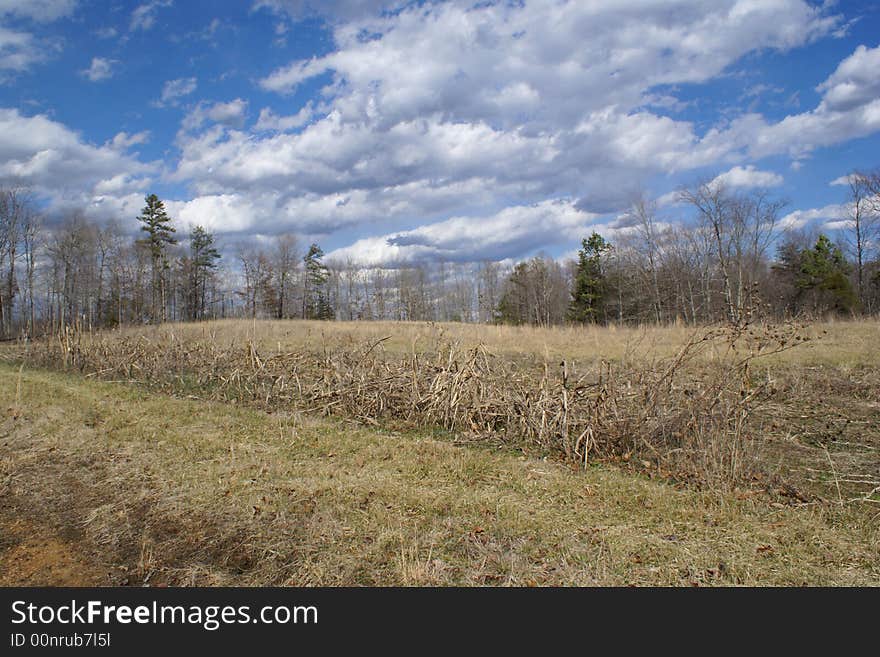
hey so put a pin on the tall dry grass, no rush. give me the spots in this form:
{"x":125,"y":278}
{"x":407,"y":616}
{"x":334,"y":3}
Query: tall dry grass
{"x":850,"y":343}
{"x":686,"y":413}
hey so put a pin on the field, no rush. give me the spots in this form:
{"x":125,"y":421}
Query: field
{"x":315,"y":453}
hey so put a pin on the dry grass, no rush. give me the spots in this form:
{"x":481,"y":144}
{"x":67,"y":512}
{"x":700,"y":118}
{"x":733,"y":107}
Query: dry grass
{"x":320,"y":453}
{"x":688,"y":416}
{"x":183,"y":491}
{"x":844,"y":344}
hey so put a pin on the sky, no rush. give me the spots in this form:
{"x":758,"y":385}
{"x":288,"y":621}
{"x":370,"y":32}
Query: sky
{"x":394,"y":132}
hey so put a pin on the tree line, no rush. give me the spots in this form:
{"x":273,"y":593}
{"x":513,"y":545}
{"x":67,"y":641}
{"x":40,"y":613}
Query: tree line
{"x":729,"y":259}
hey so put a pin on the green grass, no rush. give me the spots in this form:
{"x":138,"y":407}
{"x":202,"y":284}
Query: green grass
{"x":183,"y":491}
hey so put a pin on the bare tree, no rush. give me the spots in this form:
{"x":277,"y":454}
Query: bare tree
{"x":255,"y":268}
{"x":862,"y":225}
{"x":713,"y":207}
{"x":16,"y":208}
{"x":738,"y":230}
{"x":488,"y":291}
{"x":31,"y":240}
{"x":644,"y":212}
{"x":284,"y":262}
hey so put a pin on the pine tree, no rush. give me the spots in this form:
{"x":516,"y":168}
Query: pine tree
{"x":825,"y":271}
{"x":203,"y":260}
{"x":160,"y":233}
{"x":513,"y":306}
{"x":315,"y":303}
{"x":589,"y":289}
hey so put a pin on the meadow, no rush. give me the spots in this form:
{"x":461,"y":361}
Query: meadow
{"x":331,"y":453}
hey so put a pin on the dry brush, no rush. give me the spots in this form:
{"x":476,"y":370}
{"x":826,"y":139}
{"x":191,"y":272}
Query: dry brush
{"x":688,"y":417}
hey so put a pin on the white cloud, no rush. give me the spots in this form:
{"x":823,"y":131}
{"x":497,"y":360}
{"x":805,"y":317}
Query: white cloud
{"x":285,"y":80}
{"x":18,"y":50}
{"x":121,"y":184}
{"x":575,"y":57}
{"x":854,"y":83}
{"x":231,"y":114}
{"x":40,"y":153}
{"x":38,"y":10}
{"x":124,"y":141}
{"x":119,"y":205}
{"x":842,"y":180}
{"x":508,"y":233}
{"x":174,"y":90}
{"x":669,"y":199}
{"x":269,"y":121}
{"x":228,"y":213}
{"x":480,"y":112}
{"x":107,"y":33}
{"x":850,"y":108}
{"x":801,"y":218}
{"x":271,"y":211}
{"x":336,"y":10}
{"x":457,"y":109}
{"x":144,"y":16}
{"x":100,"y":69}
{"x":748,"y":177}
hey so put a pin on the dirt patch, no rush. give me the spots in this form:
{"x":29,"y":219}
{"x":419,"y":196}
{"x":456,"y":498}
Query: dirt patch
{"x":32,"y":555}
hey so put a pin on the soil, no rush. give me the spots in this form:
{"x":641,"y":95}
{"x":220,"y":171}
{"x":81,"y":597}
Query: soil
{"x":33,"y":554}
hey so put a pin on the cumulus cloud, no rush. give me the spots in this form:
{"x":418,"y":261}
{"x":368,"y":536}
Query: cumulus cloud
{"x":19,"y":50}
{"x":854,"y":83}
{"x":230,"y":114}
{"x":100,"y":69}
{"x":801,"y":218}
{"x":501,"y":59}
{"x":228,"y":213}
{"x":45,"y":155}
{"x":507,"y":233}
{"x":270,"y":212}
{"x":850,"y":108}
{"x":270,"y":121}
{"x":510,"y":104}
{"x":124,"y":140}
{"x":748,"y":177}
{"x":120,"y":184}
{"x":464,"y":118}
{"x":332,"y":156}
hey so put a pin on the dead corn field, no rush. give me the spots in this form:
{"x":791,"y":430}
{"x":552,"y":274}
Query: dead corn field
{"x":725,"y":407}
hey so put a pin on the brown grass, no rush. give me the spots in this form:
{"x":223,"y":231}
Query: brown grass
{"x":687,"y":416}
{"x":184,"y":491}
{"x":316,"y":453}
{"x":841,"y":343}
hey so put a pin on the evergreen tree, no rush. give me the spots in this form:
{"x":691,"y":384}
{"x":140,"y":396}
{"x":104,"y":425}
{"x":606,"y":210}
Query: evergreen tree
{"x":513,"y":306}
{"x":589,"y":288}
{"x":315,"y":302}
{"x":160,"y":233}
{"x":787,"y":274}
{"x":824,"y":271}
{"x":203,"y":257}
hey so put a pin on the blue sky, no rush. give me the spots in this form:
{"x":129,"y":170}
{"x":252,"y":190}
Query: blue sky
{"x":395,"y":131}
